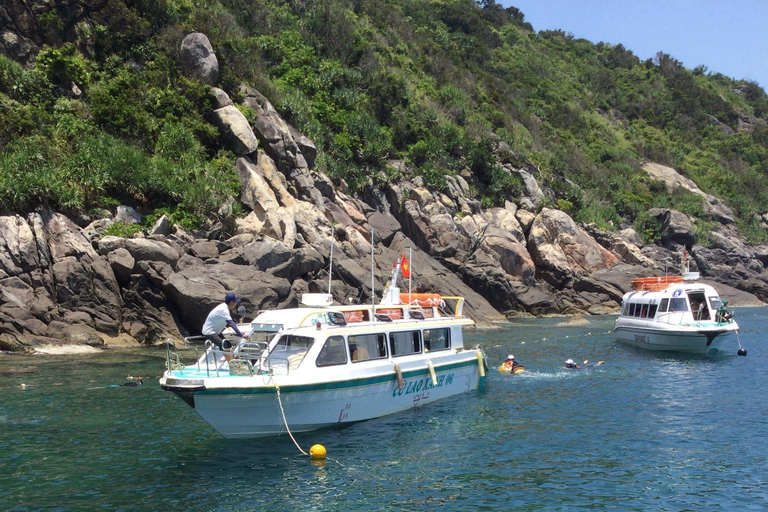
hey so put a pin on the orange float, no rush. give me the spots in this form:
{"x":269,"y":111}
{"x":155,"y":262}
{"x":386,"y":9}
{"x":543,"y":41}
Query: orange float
{"x":394,"y":314}
{"x":353,"y":316}
{"x":421,"y":299}
{"x":654,"y":284}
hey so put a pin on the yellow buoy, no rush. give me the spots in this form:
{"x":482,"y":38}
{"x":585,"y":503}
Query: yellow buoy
{"x":317,"y":452}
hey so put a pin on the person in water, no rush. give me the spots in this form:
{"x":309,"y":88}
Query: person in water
{"x":132,"y":384}
{"x":510,"y":364}
{"x":219,"y":318}
{"x":569,"y":364}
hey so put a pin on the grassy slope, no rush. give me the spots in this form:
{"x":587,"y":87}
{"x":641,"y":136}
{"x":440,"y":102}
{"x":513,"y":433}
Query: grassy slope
{"x":433,"y":83}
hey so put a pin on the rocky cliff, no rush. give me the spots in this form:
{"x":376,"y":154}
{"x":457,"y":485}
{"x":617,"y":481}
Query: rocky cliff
{"x":61,"y":280}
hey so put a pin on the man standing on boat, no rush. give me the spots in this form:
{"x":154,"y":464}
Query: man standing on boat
{"x":219,"y":318}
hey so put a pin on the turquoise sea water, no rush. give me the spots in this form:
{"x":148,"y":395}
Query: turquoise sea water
{"x":642,"y":432}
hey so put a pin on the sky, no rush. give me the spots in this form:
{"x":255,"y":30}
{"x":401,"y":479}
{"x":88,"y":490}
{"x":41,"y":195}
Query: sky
{"x":726,"y":36}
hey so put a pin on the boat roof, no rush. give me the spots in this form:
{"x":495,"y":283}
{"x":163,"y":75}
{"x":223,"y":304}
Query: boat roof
{"x":293,"y":318}
{"x":671,"y":289}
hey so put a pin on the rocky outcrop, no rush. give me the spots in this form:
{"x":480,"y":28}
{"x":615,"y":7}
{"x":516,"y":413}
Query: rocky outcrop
{"x":676,"y":227}
{"x":284,"y":144}
{"x":198,"y":59}
{"x":236,"y":130}
{"x":562,"y":250}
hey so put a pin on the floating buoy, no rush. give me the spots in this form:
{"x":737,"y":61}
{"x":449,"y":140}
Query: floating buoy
{"x":317,"y":452}
{"x":742,"y":352}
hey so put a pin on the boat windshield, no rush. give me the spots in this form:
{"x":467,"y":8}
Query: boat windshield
{"x":290,"y":350}
{"x":715,"y":303}
{"x":678,"y":304}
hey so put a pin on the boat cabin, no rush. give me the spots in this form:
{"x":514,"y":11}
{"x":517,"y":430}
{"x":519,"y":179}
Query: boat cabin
{"x":675,"y":304}
{"x":317,"y":339}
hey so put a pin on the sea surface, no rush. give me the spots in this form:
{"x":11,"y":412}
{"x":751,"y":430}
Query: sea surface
{"x":643,"y":431}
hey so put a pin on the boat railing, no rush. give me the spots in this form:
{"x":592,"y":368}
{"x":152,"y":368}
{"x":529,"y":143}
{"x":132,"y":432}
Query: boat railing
{"x":172,"y":356}
{"x":696,"y":318}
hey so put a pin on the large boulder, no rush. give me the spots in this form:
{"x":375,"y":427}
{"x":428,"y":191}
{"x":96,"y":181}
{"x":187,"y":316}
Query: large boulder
{"x":676,"y":227}
{"x":198,"y":59}
{"x":145,"y":249}
{"x":562,"y":250}
{"x":236,"y":130}
{"x":196,"y":290}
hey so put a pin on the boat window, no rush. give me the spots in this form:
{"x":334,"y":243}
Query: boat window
{"x":678,"y":304}
{"x":333,"y":352}
{"x":663,"y":305}
{"x":715,"y":303}
{"x":631,"y":310}
{"x":652,"y":311}
{"x":437,"y":339}
{"x":404,"y":343}
{"x":699,"y":305}
{"x":638,"y":309}
{"x":291,"y":340}
{"x":644,"y":311}
{"x":364,"y":347}
{"x":292,"y":348}
{"x":336,"y":318}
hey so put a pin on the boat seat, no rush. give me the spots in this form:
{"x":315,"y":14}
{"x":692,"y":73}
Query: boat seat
{"x":294,"y":360}
{"x":360,"y":354}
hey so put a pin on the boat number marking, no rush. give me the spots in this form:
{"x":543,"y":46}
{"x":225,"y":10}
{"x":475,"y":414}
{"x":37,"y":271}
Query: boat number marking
{"x":425,"y":384}
{"x":641,"y":338}
{"x":344,"y":414}
{"x":418,"y":397}
{"x":677,"y":293}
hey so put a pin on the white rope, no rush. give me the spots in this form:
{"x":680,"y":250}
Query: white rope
{"x":285,"y":422}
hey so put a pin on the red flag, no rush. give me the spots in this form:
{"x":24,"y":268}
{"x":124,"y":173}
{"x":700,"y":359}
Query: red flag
{"x":405,"y":267}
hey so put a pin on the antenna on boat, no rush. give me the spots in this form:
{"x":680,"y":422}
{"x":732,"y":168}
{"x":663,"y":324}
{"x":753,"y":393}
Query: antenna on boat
{"x":330,"y":268}
{"x":410,"y":273}
{"x":373,"y":294}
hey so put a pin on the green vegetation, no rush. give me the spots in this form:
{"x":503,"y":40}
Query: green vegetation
{"x":438,"y":84}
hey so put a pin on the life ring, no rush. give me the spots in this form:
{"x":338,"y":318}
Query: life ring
{"x":514,"y":370}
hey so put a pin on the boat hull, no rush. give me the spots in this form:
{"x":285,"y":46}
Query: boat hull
{"x":693,"y":341}
{"x":251,"y":412}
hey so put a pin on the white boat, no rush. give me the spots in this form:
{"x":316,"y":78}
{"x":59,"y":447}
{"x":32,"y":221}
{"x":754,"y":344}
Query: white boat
{"x":674,"y":313}
{"x":311,"y":367}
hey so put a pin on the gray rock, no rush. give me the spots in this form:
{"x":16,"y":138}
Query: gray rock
{"x":195,"y":291}
{"x":676,"y":227}
{"x":204,"y":250}
{"x":236,"y":130}
{"x":128,"y":215}
{"x":161,"y":227}
{"x":198,"y":59}
{"x":220,"y":98}
{"x":384,"y":226}
{"x":97,"y":227}
{"x":121,"y":262}
{"x":143,"y":249}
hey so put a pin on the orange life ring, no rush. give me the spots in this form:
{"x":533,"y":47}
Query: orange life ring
{"x":654,"y":284}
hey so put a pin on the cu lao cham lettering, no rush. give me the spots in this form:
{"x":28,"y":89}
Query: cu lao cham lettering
{"x":425,"y":384}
